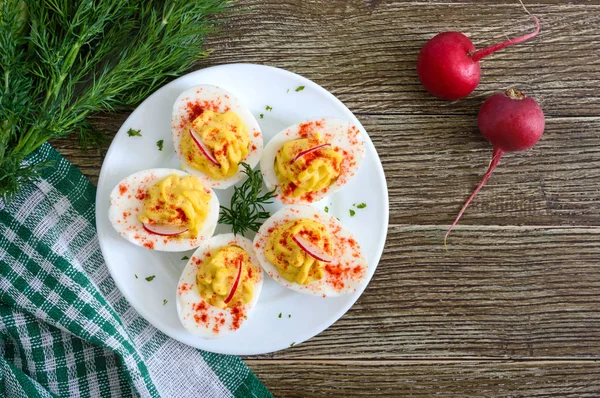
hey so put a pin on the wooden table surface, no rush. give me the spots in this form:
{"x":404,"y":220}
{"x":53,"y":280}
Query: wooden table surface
{"x":513,"y":307}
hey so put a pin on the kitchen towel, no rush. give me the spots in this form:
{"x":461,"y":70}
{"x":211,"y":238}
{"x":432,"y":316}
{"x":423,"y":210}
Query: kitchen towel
{"x":65,"y":329}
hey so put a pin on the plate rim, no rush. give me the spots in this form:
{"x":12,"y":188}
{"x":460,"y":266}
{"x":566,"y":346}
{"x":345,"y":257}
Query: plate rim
{"x":380,"y":175}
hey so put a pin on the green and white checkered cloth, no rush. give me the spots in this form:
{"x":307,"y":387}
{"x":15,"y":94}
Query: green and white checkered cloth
{"x":65,"y":329}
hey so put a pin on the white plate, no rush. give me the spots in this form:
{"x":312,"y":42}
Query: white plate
{"x":257,"y":87}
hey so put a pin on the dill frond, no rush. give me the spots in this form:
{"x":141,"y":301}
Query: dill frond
{"x":63,"y":60}
{"x":246,"y":209}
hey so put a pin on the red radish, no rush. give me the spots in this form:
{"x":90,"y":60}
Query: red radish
{"x":511,"y":121}
{"x":448,"y":65}
{"x":312,"y":250}
{"x":235,"y":283}
{"x":298,"y":156}
{"x":164,"y":230}
{"x":205,"y":151}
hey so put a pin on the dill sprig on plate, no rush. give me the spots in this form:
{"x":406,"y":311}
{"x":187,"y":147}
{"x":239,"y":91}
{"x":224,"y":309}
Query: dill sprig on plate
{"x":246,"y":210}
{"x":62,"y":60}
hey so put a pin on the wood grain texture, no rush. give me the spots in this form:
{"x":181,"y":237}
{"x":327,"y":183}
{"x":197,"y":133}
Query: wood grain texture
{"x":432,"y":163}
{"x":431,"y":378}
{"x":512,"y":309}
{"x":365,"y":52}
{"x":497,"y":292}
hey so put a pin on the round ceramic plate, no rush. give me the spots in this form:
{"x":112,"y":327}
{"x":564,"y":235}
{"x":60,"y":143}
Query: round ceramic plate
{"x":281,"y":317}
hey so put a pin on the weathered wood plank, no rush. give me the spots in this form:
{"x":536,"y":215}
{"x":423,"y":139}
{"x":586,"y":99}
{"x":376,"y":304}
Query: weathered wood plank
{"x":432,"y":163}
{"x":427,"y":379}
{"x":497,"y":292}
{"x":520,"y":279}
{"x":365,"y":51}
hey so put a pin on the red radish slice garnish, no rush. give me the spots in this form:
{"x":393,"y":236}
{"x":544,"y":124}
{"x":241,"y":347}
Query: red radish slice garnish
{"x":164,"y":230}
{"x":298,"y":156}
{"x":312,"y":250}
{"x":235,"y":283}
{"x":205,"y":151}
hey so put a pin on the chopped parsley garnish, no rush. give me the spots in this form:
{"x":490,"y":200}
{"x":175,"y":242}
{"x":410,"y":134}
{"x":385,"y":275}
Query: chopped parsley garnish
{"x":262,"y":115}
{"x":352,"y":213}
{"x":165,"y":302}
{"x":185,"y":258}
{"x":160,"y":144}
{"x":326,"y":209}
{"x":288,"y":90}
{"x":279,"y":315}
{"x":150,"y":278}
{"x":299,"y":88}
{"x":361,"y":205}
{"x":134,"y":133}
{"x":268,"y":108}
{"x":293,"y":343}
{"x":135,"y":276}
{"x":289,"y":315}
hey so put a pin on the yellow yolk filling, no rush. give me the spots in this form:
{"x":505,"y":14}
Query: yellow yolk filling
{"x":217,"y":273}
{"x":292,"y":262}
{"x":226,"y":137}
{"x":178,"y":202}
{"x":311,"y":172}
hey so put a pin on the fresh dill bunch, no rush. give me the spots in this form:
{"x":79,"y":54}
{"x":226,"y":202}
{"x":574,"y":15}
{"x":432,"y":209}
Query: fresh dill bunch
{"x":246,"y":210}
{"x":63,"y":60}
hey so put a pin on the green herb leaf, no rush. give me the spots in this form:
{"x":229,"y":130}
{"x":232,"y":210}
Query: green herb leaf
{"x":185,"y":258}
{"x":246,"y":209}
{"x":326,"y":209}
{"x":352,"y":213}
{"x":160,"y":144}
{"x":288,"y":90}
{"x":299,"y":88}
{"x":150,"y":278}
{"x":165,"y":302}
{"x":268,"y":108}
{"x":289,"y":315}
{"x":279,"y":315}
{"x":135,"y":276}
{"x":361,"y":205}
{"x":63,"y":61}
{"x":134,"y":133}
{"x":293,"y":344}
{"x":262,"y":115}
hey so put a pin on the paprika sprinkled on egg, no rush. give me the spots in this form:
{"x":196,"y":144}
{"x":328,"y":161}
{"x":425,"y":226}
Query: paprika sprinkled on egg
{"x":167,"y":210}
{"x":309,"y":160}
{"x":309,"y":251}
{"x":213,"y":133}
{"x":219,"y":286}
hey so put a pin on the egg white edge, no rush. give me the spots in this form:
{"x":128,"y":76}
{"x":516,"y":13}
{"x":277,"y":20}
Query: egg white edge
{"x":289,"y":213}
{"x":191,"y":95}
{"x":341,"y":140}
{"x":119,"y":204}
{"x":193,"y":296}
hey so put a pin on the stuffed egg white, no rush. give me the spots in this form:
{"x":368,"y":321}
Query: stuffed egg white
{"x":309,"y":251}
{"x":310,"y":160}
{"x":213,"y":133}
{"x":163,"y":209}
{"x":219,"y":286}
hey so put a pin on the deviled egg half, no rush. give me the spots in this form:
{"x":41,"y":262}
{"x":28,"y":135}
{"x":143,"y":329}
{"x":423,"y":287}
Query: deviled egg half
{"x":213,"y":133}
{"x":219,"y":286}
{"x":163,"y":209}
{"x":310,"y":160}
{"x":311,"y":252}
